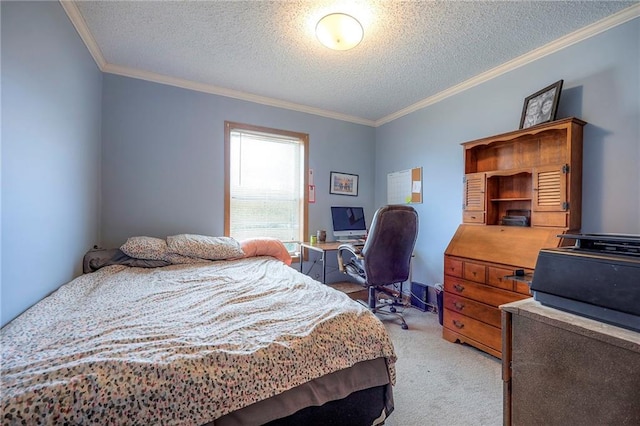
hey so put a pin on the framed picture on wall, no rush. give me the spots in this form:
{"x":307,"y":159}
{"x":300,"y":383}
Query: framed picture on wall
{"x":541,"y":106}
{"x":343,"y":184}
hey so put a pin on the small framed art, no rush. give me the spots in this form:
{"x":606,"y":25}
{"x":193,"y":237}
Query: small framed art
{"x":343,"y":184}
{"x":541,"y":106}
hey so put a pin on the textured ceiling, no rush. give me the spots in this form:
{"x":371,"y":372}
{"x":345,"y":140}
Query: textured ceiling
{"x":412,"y":50}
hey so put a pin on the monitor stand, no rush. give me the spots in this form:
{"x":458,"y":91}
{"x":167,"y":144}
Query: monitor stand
{"x":351,"y":239}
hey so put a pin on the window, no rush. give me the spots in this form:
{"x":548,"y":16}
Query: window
{"x":266,"y":181}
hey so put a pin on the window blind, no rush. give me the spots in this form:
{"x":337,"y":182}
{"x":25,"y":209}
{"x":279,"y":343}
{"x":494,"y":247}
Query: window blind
{"x":266,"y":179}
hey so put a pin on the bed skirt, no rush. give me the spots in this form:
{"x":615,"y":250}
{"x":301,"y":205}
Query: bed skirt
{"x":360,"y":395}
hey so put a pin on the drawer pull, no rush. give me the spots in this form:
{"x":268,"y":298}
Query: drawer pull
{"x":459,"y":288}
{"x":458,"y":324}
{"x":459,"y":306}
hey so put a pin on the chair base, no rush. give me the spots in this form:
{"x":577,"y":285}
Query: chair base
{"x":377,"y":308}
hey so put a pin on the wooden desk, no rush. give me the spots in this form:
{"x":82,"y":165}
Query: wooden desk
{"x":323,"y":249}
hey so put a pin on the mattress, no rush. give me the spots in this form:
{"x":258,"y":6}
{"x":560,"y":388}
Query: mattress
{"x":181,"y":344}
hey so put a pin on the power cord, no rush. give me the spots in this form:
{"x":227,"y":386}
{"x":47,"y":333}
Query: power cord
{"x":312,"y":265}
{"x":434,"y":308}
{"x":400,"y":303}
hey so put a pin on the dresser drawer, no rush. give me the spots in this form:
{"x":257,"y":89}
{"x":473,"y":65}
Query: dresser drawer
{"x":478,"y":292}
{"x":475,"y":272}
{"x":453,"y":266}
{"x":496,"y":277}
{"x":474,"y":329}
{"x":470,"y":308}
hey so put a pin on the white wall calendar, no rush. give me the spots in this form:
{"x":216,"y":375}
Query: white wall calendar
{"x":405,"y":186}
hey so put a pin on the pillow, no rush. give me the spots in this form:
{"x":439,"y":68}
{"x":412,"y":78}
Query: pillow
{"x":178,"y":259}
{"x":149,"y":248}
{"x":96,"y":258}
{"x":99,"y":258}
{"x":120,"y":258}
{"x":266,"y":247}
{"x":204,"y":247}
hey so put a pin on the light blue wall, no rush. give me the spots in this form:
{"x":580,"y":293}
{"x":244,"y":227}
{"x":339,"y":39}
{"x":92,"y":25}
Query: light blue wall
{"x":163,"y":158}
{"x":601,"y":86}
{"x":51,"y":100}
{"x":162,"y":149}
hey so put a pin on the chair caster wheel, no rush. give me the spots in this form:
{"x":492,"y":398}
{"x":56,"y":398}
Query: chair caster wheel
{"x":392,"y":309}
{"x":404,"y":326}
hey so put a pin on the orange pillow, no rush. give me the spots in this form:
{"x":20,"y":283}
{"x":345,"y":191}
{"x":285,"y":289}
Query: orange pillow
{"x":266,"y":247}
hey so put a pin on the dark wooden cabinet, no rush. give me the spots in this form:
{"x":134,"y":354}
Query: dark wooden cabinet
{"x":535,"y":173}
{"x":577,"y":371}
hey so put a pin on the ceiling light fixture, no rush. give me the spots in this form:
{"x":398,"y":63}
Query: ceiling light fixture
{"x":339,"y":31}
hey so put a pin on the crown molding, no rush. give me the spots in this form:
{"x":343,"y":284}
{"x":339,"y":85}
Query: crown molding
{"x":556,"y":45}
{"x":83,"y":30}
{"x":229,"y":93}
{"x":577,"y":36}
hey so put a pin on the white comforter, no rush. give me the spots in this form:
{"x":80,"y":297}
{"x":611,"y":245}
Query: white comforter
{"x":181,"y":344}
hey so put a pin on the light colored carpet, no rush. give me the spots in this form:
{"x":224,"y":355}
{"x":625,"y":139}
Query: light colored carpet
{"x":438,"y":382}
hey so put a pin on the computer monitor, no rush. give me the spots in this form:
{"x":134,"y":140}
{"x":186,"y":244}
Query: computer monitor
{"x":348,"y":222}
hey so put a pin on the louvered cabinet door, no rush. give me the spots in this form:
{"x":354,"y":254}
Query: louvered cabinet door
{"x":474,"y":198}
{"x":550,"y":204}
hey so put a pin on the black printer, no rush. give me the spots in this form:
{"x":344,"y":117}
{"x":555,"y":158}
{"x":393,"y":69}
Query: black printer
{"x":598,"y":277}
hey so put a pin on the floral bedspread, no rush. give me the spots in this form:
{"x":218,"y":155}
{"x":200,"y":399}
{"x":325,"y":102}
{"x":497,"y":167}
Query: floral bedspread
{"x":182,"y":344}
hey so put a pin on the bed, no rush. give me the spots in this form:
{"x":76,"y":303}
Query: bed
{"x":187,"y":340}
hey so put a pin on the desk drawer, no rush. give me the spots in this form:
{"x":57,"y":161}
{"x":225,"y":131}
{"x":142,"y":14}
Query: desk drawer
{"x":496,"y":278}
{"x":453,"y":266}
{"x":523,"y":288}
{"x":479,"y":292}
{"x":475,"y":272}
{"x":555,"y":219}
{"x":472,"y":217}
{"x":470,"y":308}
{"x":474,"y":329}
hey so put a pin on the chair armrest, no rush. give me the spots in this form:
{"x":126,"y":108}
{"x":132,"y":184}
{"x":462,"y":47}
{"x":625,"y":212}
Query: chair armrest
{"x":349,"y":249}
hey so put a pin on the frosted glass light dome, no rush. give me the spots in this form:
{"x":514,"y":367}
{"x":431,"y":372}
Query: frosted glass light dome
{"x":339,"y":31}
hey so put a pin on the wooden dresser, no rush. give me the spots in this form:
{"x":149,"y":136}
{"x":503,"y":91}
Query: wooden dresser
{"x":533,"y":174}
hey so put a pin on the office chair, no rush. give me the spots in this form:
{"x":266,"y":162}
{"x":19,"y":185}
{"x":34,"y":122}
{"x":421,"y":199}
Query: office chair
{"x":385,"y":258}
